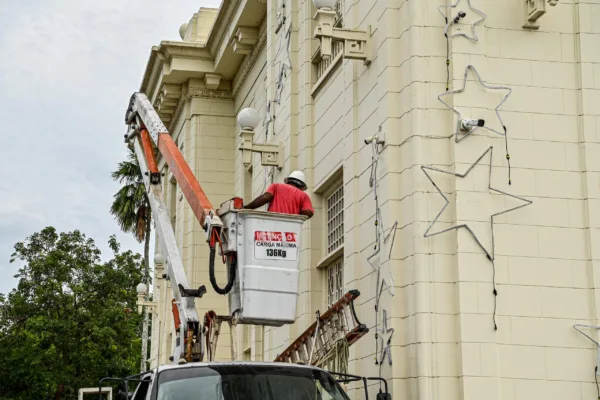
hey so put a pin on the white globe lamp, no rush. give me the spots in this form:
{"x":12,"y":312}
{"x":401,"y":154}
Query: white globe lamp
{"x":182,"y":30}
{"x":159,"y":259}
{"x":141,"y":288}
{"x":248,"y":118}
{"x":324,"y":4}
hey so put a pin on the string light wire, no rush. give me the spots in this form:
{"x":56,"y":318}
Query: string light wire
{"x":490,"y":254}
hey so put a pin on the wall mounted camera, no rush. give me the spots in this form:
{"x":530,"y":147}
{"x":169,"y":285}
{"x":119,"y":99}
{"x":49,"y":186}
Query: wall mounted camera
{"x":470,"y":124}
{"x":460,"y":16}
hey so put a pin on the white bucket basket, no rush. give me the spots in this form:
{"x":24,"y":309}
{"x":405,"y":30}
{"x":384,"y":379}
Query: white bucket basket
{"x":265,"y":291}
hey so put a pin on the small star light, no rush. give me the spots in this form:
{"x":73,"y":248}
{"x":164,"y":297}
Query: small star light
{"x":386,"y":349}
{"x":452,"y":21}
{"x":460,"y":116}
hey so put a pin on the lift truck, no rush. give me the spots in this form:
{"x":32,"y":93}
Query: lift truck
{"x":262,"y":287}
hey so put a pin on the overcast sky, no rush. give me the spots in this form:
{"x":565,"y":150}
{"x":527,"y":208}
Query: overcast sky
{"x":67,"y":70}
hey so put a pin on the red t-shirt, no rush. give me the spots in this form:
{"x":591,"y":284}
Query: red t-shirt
{"x":288,"y":199}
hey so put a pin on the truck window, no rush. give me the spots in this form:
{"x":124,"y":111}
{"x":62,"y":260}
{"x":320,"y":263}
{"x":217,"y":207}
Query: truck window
{"x":141,"y":391}
{"x":247,"y":382}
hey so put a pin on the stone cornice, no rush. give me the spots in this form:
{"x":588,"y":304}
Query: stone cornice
{"x":174,"y":62}
{"x":170,"y":49}
{"x":165,"y":53}
{"x":197,"y":93}
{"x":221,"y":25}
{"x":149,"y":72}
{"x":209,"y":94}
{"x":249,"y":64}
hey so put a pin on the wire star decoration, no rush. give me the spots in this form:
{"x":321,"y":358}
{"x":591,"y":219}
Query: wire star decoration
{"x":450,"y":21}
{"x":489,"y":253}
{"x":577,"y":328}
{"x":386,"y":343}
{"x":457,"y":112}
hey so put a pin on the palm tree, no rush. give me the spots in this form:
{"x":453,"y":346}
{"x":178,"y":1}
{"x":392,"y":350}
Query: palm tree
{"x":132,"y":211}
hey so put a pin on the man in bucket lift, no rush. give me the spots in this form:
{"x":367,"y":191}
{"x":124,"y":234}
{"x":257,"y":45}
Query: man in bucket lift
{"x":286,"y":198}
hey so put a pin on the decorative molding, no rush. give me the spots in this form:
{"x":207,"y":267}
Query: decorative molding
{"x":166,"y":101}
{"x":326,"y":261}
{"x":208,"y":94}
{"x":197,"y":93}
{"x":244,"y":39}
{"x":212,"y":81}
{"x":222,"y":23}
{"x":177,"y":114}
{"x":534,"y":10}
{"x":271,"y":154}
{"x":356,"y":41}
{"x":251,"y":60}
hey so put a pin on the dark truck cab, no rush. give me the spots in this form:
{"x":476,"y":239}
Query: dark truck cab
{"x":241,"y":381}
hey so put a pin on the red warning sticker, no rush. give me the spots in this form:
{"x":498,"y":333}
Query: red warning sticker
{"x":275,"y":245}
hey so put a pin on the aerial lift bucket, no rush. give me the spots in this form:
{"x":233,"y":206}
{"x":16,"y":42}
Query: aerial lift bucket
{"x":267,"y":247}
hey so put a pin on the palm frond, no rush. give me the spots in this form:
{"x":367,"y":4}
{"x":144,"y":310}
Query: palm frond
{"x":130,"y":204}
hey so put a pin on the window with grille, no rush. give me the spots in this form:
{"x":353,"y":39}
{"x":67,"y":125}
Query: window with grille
{"x":324,"y":67}
{"x":335,"y":219}
{"x":338,"y":20}
{"x":335,"y":281}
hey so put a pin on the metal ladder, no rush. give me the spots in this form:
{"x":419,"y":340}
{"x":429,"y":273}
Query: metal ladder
{"x":212,"y":329}
{"x":319,"y":340}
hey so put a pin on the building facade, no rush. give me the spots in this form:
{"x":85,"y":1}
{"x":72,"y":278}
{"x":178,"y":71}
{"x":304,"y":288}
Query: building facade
{"x":482,"y":297}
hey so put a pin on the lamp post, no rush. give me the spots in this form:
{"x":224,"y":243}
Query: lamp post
{"x":248,"y":119}
{"x":142,"y":301}
{"x":356,"y":42}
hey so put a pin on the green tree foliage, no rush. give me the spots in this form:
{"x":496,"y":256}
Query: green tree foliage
{"x":131,"y":209}
{"x":72,"y":318}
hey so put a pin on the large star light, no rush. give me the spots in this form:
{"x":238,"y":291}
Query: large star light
{"x":450,"y":21}
{"x":595,"y":327}
{"x":488,"y":252}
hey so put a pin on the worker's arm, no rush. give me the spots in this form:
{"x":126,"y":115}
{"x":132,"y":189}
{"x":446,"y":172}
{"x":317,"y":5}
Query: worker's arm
{"x":260,"y":201}
{"x":308,"y":213}
{"x":307,"y":207}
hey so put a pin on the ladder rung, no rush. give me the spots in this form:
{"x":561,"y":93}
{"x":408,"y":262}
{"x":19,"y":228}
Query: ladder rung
{"x":336,"y":323}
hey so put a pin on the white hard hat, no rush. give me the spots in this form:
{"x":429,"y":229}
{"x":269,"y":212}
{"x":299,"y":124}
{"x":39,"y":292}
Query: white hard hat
{"x":297,"y":176}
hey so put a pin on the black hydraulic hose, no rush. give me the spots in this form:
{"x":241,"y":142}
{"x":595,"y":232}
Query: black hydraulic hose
{"x":211,"y":270}
{"x":354,"y":312}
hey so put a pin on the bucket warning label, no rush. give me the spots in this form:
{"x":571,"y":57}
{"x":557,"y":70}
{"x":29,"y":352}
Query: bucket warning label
{"x":275,"y":246}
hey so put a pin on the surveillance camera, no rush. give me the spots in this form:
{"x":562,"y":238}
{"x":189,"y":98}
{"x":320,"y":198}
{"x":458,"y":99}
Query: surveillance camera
{"x":374,"y":139}
{"x":470,"y":124}
{"x":460,"y":16}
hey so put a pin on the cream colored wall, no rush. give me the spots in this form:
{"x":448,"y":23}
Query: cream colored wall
{"x":545,"y":264}
{"x":444,"y":344}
